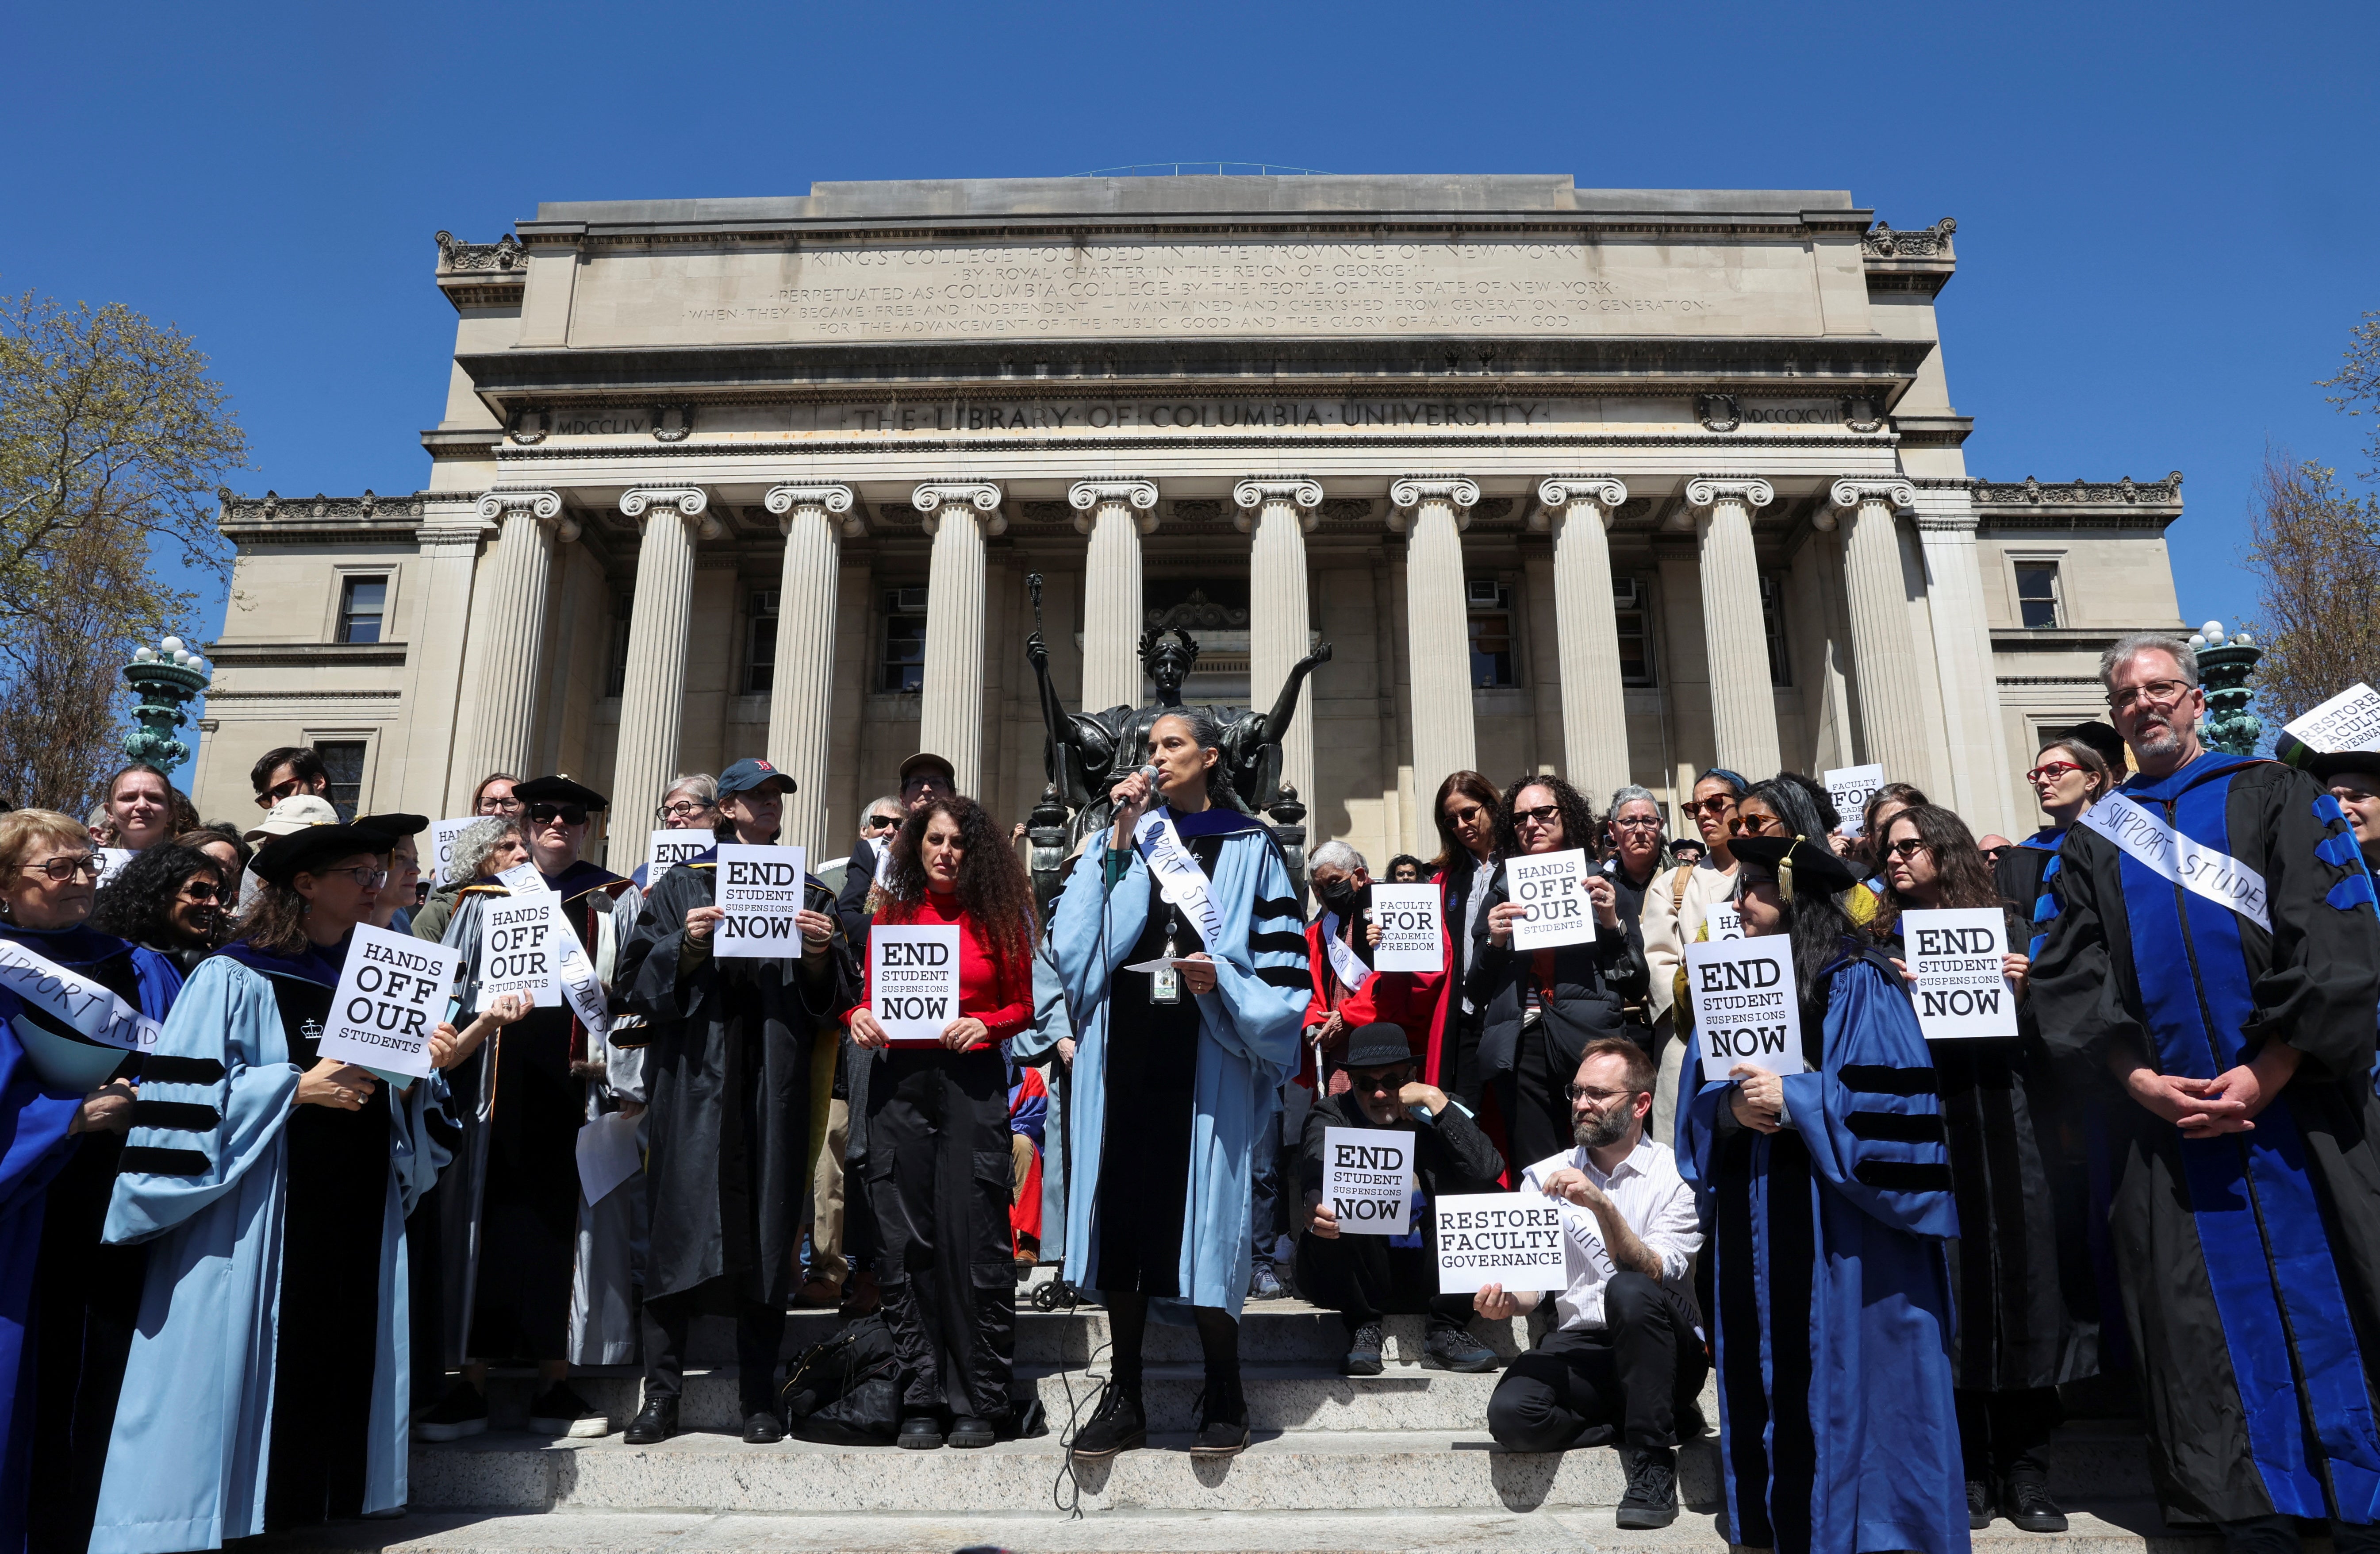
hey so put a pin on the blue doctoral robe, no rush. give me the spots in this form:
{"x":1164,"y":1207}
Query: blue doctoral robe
{"x":34,"y":1146}
{"x":1038,"y":1044}
{"x":186,"y":1467}
{"x":1837,"y":1431}
{"x":2250,"y":1262}
{"x":1248,"y":1040}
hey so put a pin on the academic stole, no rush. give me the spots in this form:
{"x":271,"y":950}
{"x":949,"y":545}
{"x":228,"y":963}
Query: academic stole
{"x":2165,"y":852}
{"x":1179,"y":879}
{"x":1349,"y":965}
{"x":87,"y":1009}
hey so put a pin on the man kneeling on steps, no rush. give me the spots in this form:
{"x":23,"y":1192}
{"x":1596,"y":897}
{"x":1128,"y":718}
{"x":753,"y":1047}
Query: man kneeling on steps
{"x":1364,"y":1277}
{"x":1625,"y":1361}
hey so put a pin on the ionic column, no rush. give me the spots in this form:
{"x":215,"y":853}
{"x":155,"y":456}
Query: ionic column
{"x":1595,"y":711}
{"x":1278,"y":630}
{"x":1884,"y":661}
{"x":1743,"y":705}
{"x":1116,"y":514}
{"x":1438,"y":623}
{"x":1977,"y":743}
{"x":814,"y":520}
{"x":959,"y":516}
{"x":652,"y":701}
{"x":510,"y":628}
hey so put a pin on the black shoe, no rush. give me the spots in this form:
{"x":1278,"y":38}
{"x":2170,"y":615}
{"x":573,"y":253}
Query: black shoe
{"x":654,"y":1422}
{"x":462,"y":1412}
{"x":1363,"y":1357}
{"x":1119,"y":1424}
{"x":559,"y":1411}
{"x":968,"y":1432}
{"x":1979,"y":1505}
{"x":1652,"y":1496}
{"x":2029,"y":1505}
{"x":920,"y":1432}
{"x":1222,"y":1424}
{"x":1455,"y":1348}
{"x":762,"y":1427}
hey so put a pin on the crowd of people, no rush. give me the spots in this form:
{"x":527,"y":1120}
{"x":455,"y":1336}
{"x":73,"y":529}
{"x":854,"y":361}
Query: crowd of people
{"x":1901,"y":1262}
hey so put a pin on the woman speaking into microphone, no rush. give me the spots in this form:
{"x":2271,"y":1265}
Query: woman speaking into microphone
{"x":1179,"y":1067}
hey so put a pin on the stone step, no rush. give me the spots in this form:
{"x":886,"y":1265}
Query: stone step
{"x":2108,"y":1527}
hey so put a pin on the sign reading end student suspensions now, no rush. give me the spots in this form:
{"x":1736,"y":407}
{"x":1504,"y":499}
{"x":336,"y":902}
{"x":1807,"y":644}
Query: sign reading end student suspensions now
{"x":1956,"y":956}
{"x":1745,"y":1005}
{"x":913,"y":980}
{"x":1367,"y":1177}
{"x":761,"y":890}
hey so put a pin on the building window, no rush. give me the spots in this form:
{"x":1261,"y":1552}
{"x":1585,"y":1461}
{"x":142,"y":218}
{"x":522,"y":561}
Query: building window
{"x":1635,"y":625}
{"x":761,"y":644}
{"x":2036,"y":594}
{"x":363,"y":604}
{"x":344,"y":758}
{"x":1491,"y":636}
{"x":1772,"y":619}
{"x":615,"y":675}
{"x":900,"y":666}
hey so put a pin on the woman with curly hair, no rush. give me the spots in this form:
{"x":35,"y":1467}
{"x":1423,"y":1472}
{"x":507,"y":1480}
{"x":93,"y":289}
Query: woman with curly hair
{"x":1541,"y":1007}
{"x":932,"y":1112}
{"x":170,"y":899}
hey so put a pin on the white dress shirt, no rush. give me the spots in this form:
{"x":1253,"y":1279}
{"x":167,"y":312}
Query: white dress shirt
{"x":1654,"y":1202}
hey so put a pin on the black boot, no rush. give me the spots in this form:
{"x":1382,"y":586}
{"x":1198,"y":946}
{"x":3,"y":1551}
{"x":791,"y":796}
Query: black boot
{"x":1118,"y":1425}
{"x":1222,"y":1422}
{"x":654,"y":1422}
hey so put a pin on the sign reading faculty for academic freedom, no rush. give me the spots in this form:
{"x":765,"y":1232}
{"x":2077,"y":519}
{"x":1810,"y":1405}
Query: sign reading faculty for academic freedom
{"x":1411,"y":936}
{"x":760,"y":889}
{"x":1956,"y":957}
{"x":1745,"y":1005}
{"x":913,"y":980}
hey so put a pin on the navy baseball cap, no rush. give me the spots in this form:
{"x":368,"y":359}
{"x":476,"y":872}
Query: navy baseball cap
{"x":750,"y":775}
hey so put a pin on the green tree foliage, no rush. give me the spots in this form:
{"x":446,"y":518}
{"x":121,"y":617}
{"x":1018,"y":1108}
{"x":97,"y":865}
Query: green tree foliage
{"x":113,"y":441}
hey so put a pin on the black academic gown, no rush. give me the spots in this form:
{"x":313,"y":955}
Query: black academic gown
{"x":727,"y":1082}
{"x":2250,"y":1262}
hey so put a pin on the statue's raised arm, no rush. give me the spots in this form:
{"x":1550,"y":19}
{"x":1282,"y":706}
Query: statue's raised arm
{"x":1252,"y":740}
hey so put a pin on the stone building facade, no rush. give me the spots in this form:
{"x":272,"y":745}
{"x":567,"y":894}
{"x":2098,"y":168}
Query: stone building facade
{"x":1613,"y":483}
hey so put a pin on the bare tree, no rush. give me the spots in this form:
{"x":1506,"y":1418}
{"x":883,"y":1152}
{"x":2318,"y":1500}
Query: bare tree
{"x":61,"y":718}
{"x":2359,"y":383}
{"x":2315,"y":549}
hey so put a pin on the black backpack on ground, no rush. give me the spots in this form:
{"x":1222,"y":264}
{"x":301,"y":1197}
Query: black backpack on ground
{"x":845,"y":1391}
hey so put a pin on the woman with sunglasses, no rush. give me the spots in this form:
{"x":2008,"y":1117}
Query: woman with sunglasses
{"x":1827,"y":1193}
{"x":1674,"y":909}
{"x":2076,"y":768}
{"x":513,"y":1196}
{"x":88,"y":1294}
{"x":2022,"y":1203}
{"x":269,"y":1185}
{"x":1541,"y":1007}
{"x":169,"y":899}
{"x":1467,"y":811}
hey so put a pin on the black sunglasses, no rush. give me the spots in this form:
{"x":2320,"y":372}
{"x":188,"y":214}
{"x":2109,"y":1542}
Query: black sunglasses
{"x":571,"y":814}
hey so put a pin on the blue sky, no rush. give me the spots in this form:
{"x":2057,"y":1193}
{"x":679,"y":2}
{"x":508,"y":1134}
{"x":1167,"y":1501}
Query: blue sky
{"x":2166,"y":213}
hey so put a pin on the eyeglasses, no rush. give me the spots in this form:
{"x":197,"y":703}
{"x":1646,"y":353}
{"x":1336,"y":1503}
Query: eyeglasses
{"x":1992,"y":854}
{"x":2157,"y":693}
{"x":280,"y":791}
{"x":1384,"y":1079}
{"x":202,"y":890}
{"x":2051,"y":770}
{"x":365,"y":878}
{"x":61,"y":869}
{"x":568,"y":814}
{"x":1601,"y":1098}
{"x":882,"y":822}
{"x":1719,"y":805}
{"x":1469,"y":815}
{"x":1907,"y":848}
{"x":678,"y":811}
{"x":1544,"y":815}
{"x":500,"y":806}
{"x":1639,"y":822}
{"x":1746,"y":824}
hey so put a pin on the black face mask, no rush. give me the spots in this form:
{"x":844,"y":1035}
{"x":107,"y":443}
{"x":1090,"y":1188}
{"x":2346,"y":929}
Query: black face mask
{"x":1338,"y":896}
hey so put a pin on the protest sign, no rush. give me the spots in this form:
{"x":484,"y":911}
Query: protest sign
{"x":2349,"y":721}
{"x":1553,"y":887}
{"x":517,"y":948}
{"x":1725,"y":922}
{"x":1367,"y":1179}
{"x":1410,"y":937}
{"x":392,"y":994}
{"x":1512,"y":1239}
{"x":913,"y":979}
{"x":607,"y":1155}
{"x":524,"y":879}
{"x":1955,"y":956}
{"x":761,"y":890}
{"x":443,"y":837}
{"x":110,"y":864}
{"x":1849,"y":788}
{"x":1745,"y":1004}
{"x":671,"y":848}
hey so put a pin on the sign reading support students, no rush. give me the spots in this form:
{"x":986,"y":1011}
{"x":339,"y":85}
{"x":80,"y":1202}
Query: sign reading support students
{"x":392,"y":994}
{"x":761,"y":890}
{"x":1956,"y":956}
{"x":913,"y":979}
{"x":1745,"y":1004}
{"x":1367,"y":1176}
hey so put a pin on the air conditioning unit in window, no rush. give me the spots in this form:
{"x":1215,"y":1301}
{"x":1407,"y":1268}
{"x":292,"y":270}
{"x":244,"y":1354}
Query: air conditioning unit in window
{"x":909,"y":601}
{"x":1484,"y":595}
{"x":1625,"y":594}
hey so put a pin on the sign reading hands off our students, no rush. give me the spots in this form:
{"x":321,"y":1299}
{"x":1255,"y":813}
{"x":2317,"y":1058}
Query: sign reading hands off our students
{"x":443,"y":837}
{"x":1745,"y":1004}
{"x":1552,"y":886}
{"x":1956,"y":957}
{"x":392,"y":994}
{"x":761,"y":889}
{"x":913,"y":979}
{"x":1411,"y":937}
{"x":1367,"y":1177}
{"x":1512,"y":1239}
{"x":516,"y":949}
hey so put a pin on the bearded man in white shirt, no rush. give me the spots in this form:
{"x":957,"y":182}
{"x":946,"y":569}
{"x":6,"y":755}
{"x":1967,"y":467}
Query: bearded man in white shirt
{"x":1626,"y":1360}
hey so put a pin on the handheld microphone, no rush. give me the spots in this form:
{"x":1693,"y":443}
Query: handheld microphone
{"x":1149,"y":771}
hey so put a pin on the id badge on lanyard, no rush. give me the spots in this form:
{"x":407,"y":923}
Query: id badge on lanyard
{"x":1165,"y":984}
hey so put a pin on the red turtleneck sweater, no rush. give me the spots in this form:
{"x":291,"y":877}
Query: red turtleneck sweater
{"x":1001,"y":999}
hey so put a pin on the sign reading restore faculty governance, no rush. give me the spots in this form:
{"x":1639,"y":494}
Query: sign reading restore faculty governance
{"x":1512,"y":1239}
